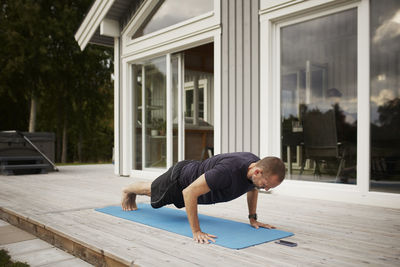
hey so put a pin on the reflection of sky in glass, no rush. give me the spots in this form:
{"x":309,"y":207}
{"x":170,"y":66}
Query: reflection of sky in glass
{"x":158,"y":64}
{"x":385,"y":93}
{"x":385,"y":48}
{"x":347,"y":105}
{"x":324,"y":52}
{"x":174,"y":11}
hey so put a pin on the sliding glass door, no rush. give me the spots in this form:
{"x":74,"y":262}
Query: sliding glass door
{"x":173,"y":108}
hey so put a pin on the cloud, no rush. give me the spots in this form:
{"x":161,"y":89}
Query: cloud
{"x":389,"y":29}
{"x":384,"y":96}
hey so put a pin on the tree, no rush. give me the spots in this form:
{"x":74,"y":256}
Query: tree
{"x":23,"y":52}
{"x":44,"y":67}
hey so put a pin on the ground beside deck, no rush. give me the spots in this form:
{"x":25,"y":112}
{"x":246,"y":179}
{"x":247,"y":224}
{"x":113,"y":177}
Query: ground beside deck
{"x":60,"y":207}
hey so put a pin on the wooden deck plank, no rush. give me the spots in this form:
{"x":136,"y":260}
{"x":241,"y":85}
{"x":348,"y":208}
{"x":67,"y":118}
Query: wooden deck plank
{"x":328,"y":233}
{"x":130,"y":235}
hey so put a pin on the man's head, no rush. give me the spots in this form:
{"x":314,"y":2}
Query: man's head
{"x":268,"y":173}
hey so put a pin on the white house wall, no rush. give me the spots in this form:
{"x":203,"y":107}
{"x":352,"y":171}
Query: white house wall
{"x":245,"y":117}
{"x":240,"y":112}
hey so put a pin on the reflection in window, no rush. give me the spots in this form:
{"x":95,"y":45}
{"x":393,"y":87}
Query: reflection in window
{"x":198,"y":105}
{"x":149,"y":80}
{"x":385,"y":95}
{"x":189,"y":99}
{"x":137,"y":81}
{"x":319,"y":98}
{"x":170,"y":12}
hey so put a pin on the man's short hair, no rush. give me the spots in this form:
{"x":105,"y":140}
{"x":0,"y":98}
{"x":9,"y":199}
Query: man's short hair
{"x":271,"y":166}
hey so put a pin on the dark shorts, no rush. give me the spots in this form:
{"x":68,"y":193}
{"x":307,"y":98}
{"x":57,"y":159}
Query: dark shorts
{"x":166,"y":188}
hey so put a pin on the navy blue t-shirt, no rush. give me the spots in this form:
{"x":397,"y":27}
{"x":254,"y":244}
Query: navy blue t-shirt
{"x":226,"y":175}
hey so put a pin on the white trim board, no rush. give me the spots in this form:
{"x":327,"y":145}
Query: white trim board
{"x":337,"y":192}
{"x":171,"y":42}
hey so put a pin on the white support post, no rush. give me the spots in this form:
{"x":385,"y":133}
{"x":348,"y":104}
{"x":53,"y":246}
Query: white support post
{"x":126,"y":120}
{"x":117,"y":107}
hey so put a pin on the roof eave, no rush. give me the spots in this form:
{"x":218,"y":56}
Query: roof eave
{"x":90,"y":24}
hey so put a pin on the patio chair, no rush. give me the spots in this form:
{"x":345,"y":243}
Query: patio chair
{"x":320,"y":141}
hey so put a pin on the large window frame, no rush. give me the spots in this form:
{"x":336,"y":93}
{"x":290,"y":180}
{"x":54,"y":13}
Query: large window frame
{"x":167,"y":37}
{"x":275,"y":15}
{"x":193,"y":32}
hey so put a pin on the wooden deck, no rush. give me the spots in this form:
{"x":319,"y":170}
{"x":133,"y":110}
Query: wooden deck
{"x":59,"y":207}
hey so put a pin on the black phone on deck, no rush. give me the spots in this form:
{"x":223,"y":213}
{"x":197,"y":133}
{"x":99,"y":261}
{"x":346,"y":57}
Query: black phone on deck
{"x":286,"y":243}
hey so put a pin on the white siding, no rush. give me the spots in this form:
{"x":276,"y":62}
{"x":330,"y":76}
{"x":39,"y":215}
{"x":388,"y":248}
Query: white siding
{"x":240,"y":76}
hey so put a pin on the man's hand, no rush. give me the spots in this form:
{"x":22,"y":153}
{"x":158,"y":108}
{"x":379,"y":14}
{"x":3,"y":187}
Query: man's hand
{"x":257,"y":224}
{"x":202,"y":238}
{"x":252,"y":197}
{"x":190,"y":196}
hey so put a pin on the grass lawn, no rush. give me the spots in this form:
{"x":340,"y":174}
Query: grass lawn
{"x":5,"y":260}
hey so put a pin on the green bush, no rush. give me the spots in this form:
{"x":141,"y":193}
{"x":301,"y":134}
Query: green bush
{"x":5,"y":260}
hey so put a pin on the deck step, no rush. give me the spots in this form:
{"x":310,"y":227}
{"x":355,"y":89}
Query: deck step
{"x":24,"y":169}
{"x":25,"y":166}
{"x":20,"y":158}
{"x":15,"y":165}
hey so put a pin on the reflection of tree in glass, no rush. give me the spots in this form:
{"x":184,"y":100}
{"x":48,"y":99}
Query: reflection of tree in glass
{"x":386,"y":141}
{"x":389,"y":115}
{"x":346,"y":135}
{"x":346,"y":132}
{"x":387,"y":129}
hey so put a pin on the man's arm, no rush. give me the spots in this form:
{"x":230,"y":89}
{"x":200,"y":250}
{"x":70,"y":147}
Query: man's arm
{"x":252,"y":197}
{"x":190,"y":195}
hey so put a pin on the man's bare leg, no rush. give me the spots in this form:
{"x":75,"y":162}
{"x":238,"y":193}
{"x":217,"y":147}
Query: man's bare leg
{"x":129,"y":194}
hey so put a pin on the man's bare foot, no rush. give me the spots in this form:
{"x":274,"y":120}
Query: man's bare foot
{"x":128,"y":201}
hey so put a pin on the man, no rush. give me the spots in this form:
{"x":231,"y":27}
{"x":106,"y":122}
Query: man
{"x":221,"y":178}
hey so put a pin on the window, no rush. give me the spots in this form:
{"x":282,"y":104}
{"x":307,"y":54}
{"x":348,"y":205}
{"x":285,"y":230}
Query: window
{"x":170,"y":12}
{"x":318,"y":86}
{"x":192,"y":78}
{"x":385,"y":95}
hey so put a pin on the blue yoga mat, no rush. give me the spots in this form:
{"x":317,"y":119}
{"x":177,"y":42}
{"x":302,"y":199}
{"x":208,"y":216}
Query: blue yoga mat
{"x":231,"y":234}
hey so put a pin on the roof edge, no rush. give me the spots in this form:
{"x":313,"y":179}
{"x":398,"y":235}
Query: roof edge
{"x":92,"y":21}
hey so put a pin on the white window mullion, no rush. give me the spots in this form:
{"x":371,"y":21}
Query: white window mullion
{"x":276,"y":96}
{"x":143,"y":117}
{"x":169,"y":112}
{"x":134,"y":114}
{"x":363,"y":92}
{"x":181,"y":122}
